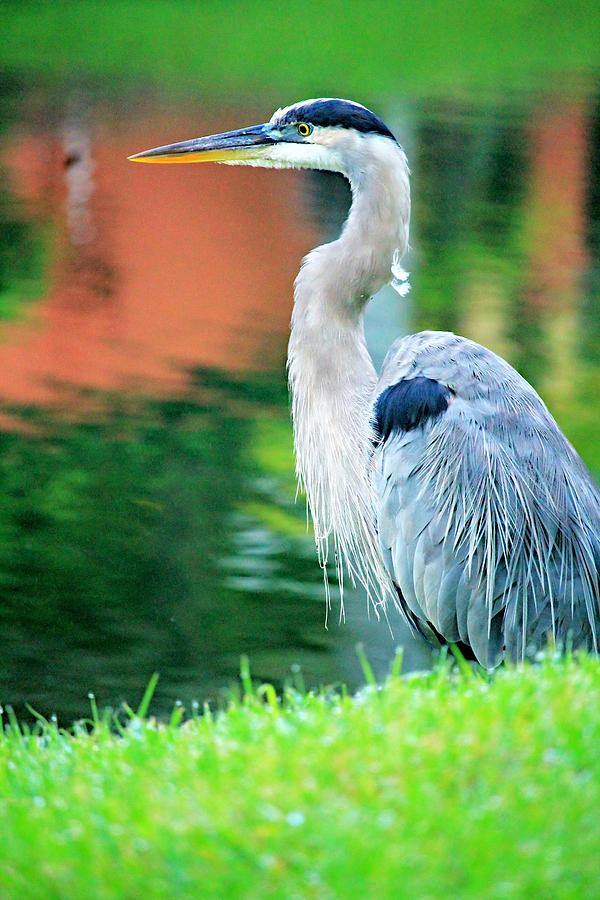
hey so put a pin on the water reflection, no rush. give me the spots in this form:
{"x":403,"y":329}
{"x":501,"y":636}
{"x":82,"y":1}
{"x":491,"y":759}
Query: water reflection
{"x":506,"y":214}
{"x":148,"y":520}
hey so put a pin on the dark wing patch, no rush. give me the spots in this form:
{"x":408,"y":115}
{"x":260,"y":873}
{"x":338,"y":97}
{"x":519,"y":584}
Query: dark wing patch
{"x":410,"y":403}
{"x":326,"y":113}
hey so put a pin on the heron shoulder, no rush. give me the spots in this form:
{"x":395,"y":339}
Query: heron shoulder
{"x":488,"y":396}
{"x":471,"y":371}
{"x":408,"y":404}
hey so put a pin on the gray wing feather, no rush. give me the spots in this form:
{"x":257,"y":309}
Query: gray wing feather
{"x":403,"y":564}
{"x":446,"y":608}
{"x":488,"y":520}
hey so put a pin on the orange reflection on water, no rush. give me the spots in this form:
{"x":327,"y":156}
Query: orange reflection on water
{"x":555,"y":209}
{"x":559,"y":135}
{"x":156,"y":270}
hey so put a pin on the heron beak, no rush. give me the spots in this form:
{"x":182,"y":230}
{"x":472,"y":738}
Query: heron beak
{"x":246,"y":143}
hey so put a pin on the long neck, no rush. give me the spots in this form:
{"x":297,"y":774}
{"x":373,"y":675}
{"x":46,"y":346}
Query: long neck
{"x":331,"y":373}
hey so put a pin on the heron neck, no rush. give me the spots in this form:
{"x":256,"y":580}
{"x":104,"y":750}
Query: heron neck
{"x":337,"y":279}
{"x":331,"y":373}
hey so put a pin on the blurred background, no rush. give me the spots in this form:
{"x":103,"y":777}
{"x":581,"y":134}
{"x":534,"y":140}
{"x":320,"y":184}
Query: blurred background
{"x":147,"y":514}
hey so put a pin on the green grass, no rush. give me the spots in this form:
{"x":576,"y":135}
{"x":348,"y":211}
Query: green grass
{"x":445,"y":785}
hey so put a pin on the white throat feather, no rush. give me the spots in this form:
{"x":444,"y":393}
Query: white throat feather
{"x":331,"y":374}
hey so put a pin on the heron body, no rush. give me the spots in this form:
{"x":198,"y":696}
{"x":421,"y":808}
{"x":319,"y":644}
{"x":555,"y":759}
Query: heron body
{"x":444,"y":486}
{"x":488,"y":520}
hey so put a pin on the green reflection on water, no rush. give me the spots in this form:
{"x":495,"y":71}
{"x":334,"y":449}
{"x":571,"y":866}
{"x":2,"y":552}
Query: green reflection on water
{"x":311,"y":49}
{"x":119,"y":543}
{"x":507,"y":259}
{"x":25,"y":241}
{"x":25,"y":251}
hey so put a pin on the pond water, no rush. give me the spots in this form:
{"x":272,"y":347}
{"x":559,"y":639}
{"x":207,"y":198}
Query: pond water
{"x":148,"y":520}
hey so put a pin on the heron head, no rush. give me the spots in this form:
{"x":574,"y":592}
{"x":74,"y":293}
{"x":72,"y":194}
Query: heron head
{"x":331,"y":134}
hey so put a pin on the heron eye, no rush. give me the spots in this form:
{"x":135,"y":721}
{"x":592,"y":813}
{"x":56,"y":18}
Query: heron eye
{"x":303,"y":129}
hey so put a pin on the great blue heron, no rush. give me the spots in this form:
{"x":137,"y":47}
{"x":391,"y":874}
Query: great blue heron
{"x":444,"y":485}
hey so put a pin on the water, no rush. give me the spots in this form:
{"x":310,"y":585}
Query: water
{"x":148,"y":519}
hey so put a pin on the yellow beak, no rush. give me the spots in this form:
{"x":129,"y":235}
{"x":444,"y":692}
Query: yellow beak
{"x":246,"y":143}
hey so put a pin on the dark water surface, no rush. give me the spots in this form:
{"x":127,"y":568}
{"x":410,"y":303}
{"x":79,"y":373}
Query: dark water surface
{"x":148,"y":520}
